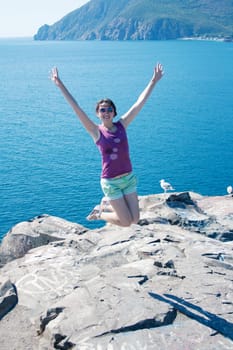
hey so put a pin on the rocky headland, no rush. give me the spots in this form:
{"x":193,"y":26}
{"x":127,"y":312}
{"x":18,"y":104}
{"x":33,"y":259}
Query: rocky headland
{"x":165,"y":283}
{"x":143,"y":20}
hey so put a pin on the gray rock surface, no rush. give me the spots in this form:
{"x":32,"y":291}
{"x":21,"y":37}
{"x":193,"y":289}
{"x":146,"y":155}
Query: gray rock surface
{"x":35,"y":233}
{"x":164,"y":283}
{"x":8,"y":297}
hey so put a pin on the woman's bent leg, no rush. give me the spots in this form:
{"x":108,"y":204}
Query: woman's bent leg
{"x":125,"y":211}
{"x":133,"y":205}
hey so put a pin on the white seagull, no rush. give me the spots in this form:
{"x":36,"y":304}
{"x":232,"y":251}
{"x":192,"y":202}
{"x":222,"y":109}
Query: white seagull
{"x":166,"y":186}
{"x":229,"y":190}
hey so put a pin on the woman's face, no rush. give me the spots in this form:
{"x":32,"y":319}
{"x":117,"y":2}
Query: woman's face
{"x":105,"y":112}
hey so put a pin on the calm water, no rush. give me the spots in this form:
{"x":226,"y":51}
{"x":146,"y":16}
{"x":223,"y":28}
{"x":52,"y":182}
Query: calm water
{"x":48,"y":162}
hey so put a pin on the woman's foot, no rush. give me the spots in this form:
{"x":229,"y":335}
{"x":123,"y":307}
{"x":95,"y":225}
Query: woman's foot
{"x":105,"y":205}
{"x":95,"y":213}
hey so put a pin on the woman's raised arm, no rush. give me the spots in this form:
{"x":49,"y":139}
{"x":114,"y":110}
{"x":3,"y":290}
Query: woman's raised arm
{"x":137,"y":106}
{"x":88,"y":124}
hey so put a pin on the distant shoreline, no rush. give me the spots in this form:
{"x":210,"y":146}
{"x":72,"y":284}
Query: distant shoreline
{"x":203,"y":38}
{"x":198,"y":38}
{"x":17,"y":38}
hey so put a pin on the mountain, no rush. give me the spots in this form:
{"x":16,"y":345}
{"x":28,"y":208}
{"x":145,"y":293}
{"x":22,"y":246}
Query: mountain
{"x":143,"y":20}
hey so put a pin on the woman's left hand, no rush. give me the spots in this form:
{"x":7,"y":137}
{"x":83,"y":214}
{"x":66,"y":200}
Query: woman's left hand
{"x":158,"y":72}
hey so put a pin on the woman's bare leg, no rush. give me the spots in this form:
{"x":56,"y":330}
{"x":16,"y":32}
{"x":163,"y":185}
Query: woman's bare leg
{"x":133,"y":205}
{"x":125,"y":211}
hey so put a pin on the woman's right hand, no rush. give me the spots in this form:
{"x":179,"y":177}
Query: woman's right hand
{"x":54,"y":76}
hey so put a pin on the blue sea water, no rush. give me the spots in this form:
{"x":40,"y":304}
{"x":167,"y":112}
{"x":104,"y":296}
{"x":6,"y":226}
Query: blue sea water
{"x":48,"y":163}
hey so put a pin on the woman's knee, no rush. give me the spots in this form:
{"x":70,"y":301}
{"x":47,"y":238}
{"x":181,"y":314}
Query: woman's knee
{"x":126,"y":222}
{"x":127,"y":212}
{"x":129,"y":218}
{"x":136,"y":218}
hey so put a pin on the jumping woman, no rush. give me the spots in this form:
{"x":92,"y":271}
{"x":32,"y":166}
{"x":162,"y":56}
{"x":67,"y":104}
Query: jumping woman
{"x":118,"y":181}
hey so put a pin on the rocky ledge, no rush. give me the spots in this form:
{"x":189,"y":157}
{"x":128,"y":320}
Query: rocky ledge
{"x":165,"y":283}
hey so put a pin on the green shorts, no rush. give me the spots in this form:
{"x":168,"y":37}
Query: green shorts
{"x":118,"y":187}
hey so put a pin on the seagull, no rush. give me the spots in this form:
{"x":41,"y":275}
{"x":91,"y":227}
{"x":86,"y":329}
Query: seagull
{"x":166,"y":186}
{"x":229,"y":190}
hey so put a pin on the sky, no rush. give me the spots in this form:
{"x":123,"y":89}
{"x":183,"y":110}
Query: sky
{"x":22,"y":18}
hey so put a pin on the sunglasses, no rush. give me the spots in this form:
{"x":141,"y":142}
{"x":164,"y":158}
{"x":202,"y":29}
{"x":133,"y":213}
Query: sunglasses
{"x":108,"y":109}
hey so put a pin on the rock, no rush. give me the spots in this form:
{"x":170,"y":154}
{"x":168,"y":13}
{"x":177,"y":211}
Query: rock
{"x":8,"y":297}
{"x":34,"y":233}
{"x":128,"y":288}
{"x":211,"y":216}
{"x":51,"y":314}
{"x":180,"y":200}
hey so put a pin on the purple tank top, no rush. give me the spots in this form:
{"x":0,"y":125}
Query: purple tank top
{"x":114,"y":150}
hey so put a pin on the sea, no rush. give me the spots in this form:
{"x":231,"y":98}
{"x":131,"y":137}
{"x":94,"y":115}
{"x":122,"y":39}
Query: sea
{"x":50,"y":165}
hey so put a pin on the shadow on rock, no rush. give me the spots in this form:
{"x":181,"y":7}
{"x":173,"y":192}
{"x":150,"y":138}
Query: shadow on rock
{"x":208,"y":319}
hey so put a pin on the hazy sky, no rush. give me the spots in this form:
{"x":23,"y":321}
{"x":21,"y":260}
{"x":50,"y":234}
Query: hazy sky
{"x":20,"y":18}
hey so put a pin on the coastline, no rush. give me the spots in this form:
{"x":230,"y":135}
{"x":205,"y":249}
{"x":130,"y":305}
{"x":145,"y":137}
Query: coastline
{"x":67,"y":281}
{"x":205,"y":38}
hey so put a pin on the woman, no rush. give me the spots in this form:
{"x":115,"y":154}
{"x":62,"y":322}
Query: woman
{"x":117,"y":180}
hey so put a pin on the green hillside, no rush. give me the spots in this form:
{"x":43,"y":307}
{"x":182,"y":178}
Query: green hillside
{"x":144,"y":20}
